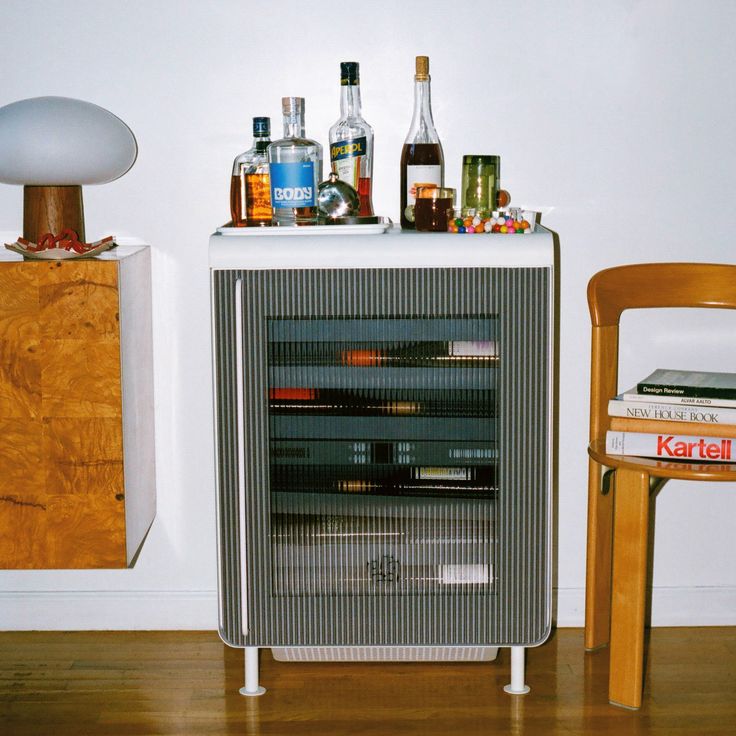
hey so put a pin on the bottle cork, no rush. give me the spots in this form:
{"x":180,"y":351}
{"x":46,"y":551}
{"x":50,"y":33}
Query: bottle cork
{"x":422,"y":68}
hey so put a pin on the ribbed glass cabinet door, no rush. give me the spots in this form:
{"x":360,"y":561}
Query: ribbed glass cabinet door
{"x":383,"y":456}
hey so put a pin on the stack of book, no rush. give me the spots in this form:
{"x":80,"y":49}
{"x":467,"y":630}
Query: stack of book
{"x":683,"y":416}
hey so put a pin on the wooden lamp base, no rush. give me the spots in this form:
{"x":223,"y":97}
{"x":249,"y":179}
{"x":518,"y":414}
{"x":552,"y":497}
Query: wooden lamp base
{"x":51,"y":209}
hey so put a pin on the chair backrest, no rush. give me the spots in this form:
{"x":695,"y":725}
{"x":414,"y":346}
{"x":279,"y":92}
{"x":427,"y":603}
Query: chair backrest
{"x":651,"y":285}
{"x":644,"y":286}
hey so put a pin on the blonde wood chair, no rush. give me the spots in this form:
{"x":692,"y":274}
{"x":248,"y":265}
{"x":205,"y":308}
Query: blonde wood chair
{"x":621,"y":489}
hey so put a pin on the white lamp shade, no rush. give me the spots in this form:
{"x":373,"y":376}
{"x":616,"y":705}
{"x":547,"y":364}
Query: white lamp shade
{"x":59,"y":141}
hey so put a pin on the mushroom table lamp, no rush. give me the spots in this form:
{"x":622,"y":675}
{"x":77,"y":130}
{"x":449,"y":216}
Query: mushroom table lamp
{"x":54,"y":145}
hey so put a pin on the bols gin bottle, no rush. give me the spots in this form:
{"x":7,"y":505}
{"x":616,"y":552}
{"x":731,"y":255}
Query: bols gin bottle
{"x":295,"y":164}
{"x":351,"y":138}
{"x":250,"y":191}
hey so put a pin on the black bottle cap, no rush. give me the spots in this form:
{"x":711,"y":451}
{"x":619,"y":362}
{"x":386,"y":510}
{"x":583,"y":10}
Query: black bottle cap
{"x":349,"y":72}
{"x":261,"y":126}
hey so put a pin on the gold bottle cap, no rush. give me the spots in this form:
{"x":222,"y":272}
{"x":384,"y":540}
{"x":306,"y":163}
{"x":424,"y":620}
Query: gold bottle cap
{"x":422,"y":68}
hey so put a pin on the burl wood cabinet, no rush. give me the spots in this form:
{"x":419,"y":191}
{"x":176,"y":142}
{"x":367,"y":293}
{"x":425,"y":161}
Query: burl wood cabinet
{"x":77,"y":481}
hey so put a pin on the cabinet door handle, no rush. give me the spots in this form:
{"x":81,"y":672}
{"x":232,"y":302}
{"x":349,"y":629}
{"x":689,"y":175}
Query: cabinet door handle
{"x":240,"y":420}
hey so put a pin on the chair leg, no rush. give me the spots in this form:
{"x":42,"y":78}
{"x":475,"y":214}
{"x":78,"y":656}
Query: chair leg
{"x":598,"y":564}
{"x":628,"y":604}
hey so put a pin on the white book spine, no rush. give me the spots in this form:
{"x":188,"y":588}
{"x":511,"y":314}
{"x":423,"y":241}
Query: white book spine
{"x":678,"y":448}
{"x":632,"y":395}
{"x":671,"y":412}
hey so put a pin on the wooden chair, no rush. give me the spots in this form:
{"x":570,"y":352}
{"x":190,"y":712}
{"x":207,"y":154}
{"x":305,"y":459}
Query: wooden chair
{"x":620,"y":489}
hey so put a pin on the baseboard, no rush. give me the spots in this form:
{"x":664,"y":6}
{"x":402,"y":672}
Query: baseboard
{"x":101,"y":611}
{"x":198,"y":610}
{"x":712,"y":606}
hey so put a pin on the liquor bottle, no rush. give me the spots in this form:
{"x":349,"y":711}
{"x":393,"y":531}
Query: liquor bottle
{"x":369,"y":452}
{"x":452,"y":481}
{"x":250,"y":189}
{"x":319,"y":529}
{"x":341,"y":402}
{"x":295,"y":164}
{"x":429,"y":353}
{"x":319,"y":574}
{"x":351,"y":139}
{"x":422,"y":160}
{"x":425,"y":353}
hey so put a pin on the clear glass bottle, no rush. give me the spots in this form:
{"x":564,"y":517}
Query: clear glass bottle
{"x":351,"y":139}
{"x":250,"y":188}
{"x":295,"y":165}
{"x":422,"y":160}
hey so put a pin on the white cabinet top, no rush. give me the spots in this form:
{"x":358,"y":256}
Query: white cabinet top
{"x":393,"y":249}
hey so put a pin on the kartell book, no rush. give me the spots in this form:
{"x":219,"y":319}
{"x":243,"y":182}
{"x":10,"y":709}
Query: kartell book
{"x":696,"y":384}
{"x":671,"y":446}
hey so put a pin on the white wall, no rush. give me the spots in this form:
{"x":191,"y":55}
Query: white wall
{"x":617,"y":116}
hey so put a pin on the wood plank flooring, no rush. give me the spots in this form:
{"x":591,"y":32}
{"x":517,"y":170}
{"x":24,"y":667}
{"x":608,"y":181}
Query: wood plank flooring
{"x":146,"y":683}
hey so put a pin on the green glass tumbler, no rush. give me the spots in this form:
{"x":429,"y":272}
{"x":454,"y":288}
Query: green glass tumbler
{"x":480,"y":184}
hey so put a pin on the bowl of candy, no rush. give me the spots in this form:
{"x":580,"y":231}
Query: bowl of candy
{"x":504,"y":221}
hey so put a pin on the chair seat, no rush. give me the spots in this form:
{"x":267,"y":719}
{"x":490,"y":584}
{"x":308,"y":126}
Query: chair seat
{"x":662,"y":468}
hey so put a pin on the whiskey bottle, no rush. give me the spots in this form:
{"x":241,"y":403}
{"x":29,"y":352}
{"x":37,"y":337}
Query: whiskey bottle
{"x":351,"y":139}
{"x":295,"y":164}
{"x":250,"y":189}
{"x":422,"y":160}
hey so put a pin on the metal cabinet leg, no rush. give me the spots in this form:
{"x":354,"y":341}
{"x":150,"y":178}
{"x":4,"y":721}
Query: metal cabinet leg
{"x":251,"y":673}
{"x":517,"y":685}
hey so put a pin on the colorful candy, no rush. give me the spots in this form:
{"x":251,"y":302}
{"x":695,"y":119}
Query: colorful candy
{"x":508,"y":223}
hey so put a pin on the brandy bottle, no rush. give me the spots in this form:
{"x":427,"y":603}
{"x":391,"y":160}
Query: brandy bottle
{"x":422,"y":160}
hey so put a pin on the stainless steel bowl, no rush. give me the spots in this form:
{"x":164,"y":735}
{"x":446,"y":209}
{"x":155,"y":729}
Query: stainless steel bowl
{"x":337,"y":199}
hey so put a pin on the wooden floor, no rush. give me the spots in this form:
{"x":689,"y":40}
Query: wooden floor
{"x":120,"y":684}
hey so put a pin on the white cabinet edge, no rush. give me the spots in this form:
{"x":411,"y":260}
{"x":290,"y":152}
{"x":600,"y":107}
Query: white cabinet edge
{"x":136,"y":365}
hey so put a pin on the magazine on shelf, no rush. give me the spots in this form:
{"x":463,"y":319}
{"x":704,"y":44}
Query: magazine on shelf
{"x":695,"y":384}
{"x":671,"y":446}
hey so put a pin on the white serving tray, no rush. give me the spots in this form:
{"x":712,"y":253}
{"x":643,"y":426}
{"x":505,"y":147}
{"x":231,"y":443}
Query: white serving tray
{"x":372,"y":229}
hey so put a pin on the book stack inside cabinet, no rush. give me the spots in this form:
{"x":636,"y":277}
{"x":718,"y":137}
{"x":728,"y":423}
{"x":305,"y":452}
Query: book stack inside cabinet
{"x":676,"y":415}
